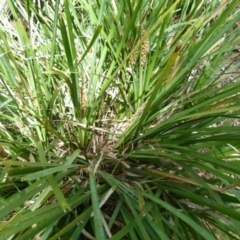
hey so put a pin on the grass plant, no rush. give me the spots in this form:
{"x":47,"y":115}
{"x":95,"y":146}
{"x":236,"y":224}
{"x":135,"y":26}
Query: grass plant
{"x":119,"y":120}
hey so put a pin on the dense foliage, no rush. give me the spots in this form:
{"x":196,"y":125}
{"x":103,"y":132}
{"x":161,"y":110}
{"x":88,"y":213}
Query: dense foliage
{"x":119,"y":120}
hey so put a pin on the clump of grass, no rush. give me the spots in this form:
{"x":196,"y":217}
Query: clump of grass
{"x":113,"y":122}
